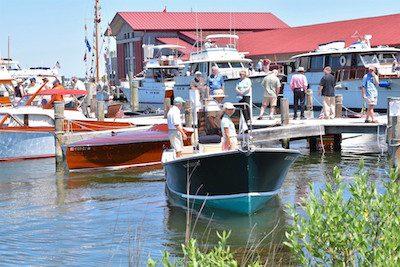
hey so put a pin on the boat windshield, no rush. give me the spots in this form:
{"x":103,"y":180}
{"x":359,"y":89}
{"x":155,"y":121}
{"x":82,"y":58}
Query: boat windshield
{"x":369,"y":59}
{"x":386,"y":58}
{"x":13,"y":66}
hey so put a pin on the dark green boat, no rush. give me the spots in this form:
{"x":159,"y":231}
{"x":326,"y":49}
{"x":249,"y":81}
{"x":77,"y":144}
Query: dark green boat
{"x":238,"y":181}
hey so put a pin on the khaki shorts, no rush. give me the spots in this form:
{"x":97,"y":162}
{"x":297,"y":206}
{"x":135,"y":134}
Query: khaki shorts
{"x":373,"y":101}
{"x":269,"y":101}
{"x":176,"y":140}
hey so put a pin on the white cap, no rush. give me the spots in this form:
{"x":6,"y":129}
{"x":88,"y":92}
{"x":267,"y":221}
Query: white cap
{"x":179,"y":100}
{"x":197,"y":73}
{"x":228,"y":105}
{"x":300,"y":69}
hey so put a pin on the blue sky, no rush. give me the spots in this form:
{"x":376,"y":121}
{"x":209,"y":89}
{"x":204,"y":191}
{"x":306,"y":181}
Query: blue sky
{"x":45,"y":31}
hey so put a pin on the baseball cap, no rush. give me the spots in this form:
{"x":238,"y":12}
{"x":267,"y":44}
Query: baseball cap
{"x":228,"y":105}
{"x":179,"y":100}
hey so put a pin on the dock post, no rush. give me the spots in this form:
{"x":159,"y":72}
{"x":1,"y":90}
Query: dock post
{"x":309,"y":113}
{"x":338,"y":106}
{"x":284,"y":103}
{"x":393,"y":130}
{"x":313,"y":143}
{"x":188,"y":114}
{"x":59,"y":133}
{"x":134,"y":85}
{"x":100,"y":110}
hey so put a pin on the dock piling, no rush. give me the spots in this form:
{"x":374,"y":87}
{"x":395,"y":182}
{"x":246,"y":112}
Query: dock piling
{"x":338,"y":106}
{"x":100,"y":110}
{"x":285,"y":119}
{"x":59,"y":132}
{"x":393,"y":130}
{"x":309,"y":112}
{"x":134,"y":86}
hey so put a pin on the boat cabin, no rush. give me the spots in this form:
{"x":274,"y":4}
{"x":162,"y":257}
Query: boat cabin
{"x":352,"y":62}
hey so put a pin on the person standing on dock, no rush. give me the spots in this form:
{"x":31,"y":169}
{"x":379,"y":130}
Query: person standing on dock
{"x":175,"y":129}
{"x":370,"y":93}
{"x":229,"y":136}
{"x":272,"y":85}
{"x":327,"y":90}
{"x":243,"y":91}
{"x":215,"y":81}
{"x":78,"y":84}
{"x":299,"y":85}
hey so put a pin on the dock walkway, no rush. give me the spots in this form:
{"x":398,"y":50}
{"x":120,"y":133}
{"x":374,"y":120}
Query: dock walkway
{"x":270,"y":130}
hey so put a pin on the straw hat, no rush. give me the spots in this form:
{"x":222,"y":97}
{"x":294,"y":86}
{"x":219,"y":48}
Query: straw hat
{"x":218,"y":93}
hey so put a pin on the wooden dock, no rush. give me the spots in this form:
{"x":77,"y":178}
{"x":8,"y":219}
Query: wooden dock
{"x":270,"y":130}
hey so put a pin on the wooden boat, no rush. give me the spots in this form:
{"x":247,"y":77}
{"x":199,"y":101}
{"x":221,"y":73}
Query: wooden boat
{"x":240,"y":181}
{"x":119,"y":150}
{"x":27,"y":132}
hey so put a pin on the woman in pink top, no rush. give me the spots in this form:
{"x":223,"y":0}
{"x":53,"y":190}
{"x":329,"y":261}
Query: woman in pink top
{"x":299,"y":85}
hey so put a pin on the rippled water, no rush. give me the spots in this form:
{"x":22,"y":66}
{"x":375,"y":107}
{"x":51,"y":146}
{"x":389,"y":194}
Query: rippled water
{"x":112,"y":218}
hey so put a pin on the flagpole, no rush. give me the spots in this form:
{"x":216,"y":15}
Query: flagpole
{"x":96,"y":22}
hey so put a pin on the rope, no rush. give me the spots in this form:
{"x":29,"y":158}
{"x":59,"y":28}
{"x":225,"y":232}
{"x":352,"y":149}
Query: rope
{"x":343,"y":106}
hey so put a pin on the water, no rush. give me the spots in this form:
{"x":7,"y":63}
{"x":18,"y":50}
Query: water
{"x":112,"y":218}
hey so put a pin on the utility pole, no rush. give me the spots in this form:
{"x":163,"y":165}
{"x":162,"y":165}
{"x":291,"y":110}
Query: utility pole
{"x":96,"y":23}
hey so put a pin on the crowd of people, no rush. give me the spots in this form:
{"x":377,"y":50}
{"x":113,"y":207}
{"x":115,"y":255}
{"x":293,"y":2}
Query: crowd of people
{"x":210,"y":93}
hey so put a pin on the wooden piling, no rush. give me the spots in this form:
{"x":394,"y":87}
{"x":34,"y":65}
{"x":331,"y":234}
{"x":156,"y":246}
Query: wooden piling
{"x":313,"y":143}
{"x":188,"y":114}
{"x":309,"y":112}
{"x":134,"y":86}
{"x":284,"y":103}
{"x":338,"y":106}
{"x":59,"y":132}
{"x":100,"y":110}
{"x":337,"y":142}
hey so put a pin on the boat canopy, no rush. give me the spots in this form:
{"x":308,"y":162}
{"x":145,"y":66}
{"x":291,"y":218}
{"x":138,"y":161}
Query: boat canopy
{"x":221,"y":36}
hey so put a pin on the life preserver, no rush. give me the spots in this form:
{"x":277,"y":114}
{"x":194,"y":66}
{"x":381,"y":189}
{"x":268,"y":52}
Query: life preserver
{"x":342,"y":61}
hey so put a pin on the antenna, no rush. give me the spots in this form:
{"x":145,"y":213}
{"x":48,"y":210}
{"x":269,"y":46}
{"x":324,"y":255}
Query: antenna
{"x":9,"y":47}
{"x":96,"y":23}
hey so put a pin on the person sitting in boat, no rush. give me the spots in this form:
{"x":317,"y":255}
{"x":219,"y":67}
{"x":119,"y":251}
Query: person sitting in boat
{"x":214,"y":112}
{"x":215,"y":81}
{"x":175,"y":129}
{"x":229,"y":136}
{"x":243,"y":91}
{"x":56,"y":86}
{"x":32,"y":87}
{"x":370,"y":93}
{"x":18,"y":89}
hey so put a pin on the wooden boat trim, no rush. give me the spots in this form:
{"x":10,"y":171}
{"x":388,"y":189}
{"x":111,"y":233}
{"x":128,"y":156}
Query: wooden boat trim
{"x":26,"y":158}
{"x":115,"y":168}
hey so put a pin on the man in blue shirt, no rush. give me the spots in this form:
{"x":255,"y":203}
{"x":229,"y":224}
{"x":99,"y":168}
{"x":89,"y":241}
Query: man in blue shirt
{"x":215,"y":81}
{"x":370,"y":93}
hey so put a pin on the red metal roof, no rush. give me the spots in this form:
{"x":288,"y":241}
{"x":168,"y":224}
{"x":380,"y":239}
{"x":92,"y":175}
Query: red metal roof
{"x":176,"y":41}
{"x":201,"y":20}
{"x":385,"y":30}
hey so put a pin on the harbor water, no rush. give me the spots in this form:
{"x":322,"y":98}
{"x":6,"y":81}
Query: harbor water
{"x":115,"y":218}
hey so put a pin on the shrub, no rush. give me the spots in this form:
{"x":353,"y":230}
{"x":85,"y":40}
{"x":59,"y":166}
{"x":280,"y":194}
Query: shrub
{"x":349,"y":224}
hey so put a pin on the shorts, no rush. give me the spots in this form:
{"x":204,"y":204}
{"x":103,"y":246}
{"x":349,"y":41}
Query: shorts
{"x":371,"y":101}
{"x":270,"y":101}
{"x":176,"y":140}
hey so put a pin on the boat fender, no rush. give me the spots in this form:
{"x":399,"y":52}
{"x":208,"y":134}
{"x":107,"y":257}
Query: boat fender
{"x":384,"y":84}
{"x":342,"y":61}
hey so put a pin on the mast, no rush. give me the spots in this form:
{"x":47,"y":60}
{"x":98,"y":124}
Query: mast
{"x":9,"y":47}
{"x":96,"y":26}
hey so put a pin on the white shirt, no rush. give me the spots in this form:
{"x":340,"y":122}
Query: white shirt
{"x":174,"y":118}
{"x":79,"y":85}
{"x":244,"y":85}
{"x":226,"y":122}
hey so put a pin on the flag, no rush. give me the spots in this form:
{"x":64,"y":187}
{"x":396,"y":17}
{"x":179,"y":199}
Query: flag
{"x":165,"y":9}
{"x":87,"y":44}
{"x":242,"y":124}
{"x":58,"y":66}
{"x":85,"y":57}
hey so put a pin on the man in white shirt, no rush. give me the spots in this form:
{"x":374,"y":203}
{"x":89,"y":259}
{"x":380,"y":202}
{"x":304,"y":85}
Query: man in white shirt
{"x":175,"y":129}
{"x":78,"y":84}
{"x":229,"y":136}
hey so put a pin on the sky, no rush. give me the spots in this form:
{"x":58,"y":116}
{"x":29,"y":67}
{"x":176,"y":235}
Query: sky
{"x":43,"y":32}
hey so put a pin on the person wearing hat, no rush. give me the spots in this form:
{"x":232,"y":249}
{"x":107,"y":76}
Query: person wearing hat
{"x":78,"y":84}
{"x":199,"y":84}
{"x":299,"y":85}
{"x":32,"y":87}
{"x":229,"y":136}
{"x":175,"y":129}
{"x":370,"y":93}
{"x":214,"y":112}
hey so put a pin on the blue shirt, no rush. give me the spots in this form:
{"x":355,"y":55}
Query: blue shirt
{"x":215,"y":82}
{"x":369,"y":85}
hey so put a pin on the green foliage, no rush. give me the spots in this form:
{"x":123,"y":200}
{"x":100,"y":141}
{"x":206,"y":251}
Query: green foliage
{"x":219,"y":256}
{"x":349,"y":224}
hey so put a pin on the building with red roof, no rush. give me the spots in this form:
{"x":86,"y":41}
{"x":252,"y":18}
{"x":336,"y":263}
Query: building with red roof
{"x":281,"y":44}
{"x":133,"y":29}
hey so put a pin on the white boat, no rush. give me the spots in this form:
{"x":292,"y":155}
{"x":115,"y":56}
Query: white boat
{"x":16,"y":71}
{"x":162,"y":65}
{"x":229,"y":62}
{"x":349,"y":65}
